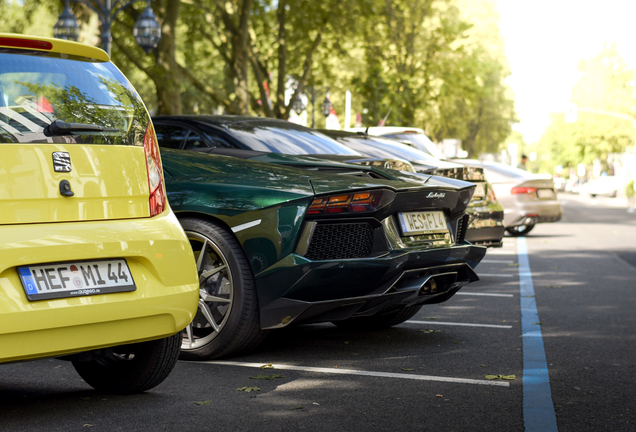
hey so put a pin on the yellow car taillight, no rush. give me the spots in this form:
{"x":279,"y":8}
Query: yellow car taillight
{"x":157,"y":198}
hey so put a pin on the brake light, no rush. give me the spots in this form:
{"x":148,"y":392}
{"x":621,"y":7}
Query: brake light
{"x":518,"y":190}
{"x":157,"y":198}
{"x":353,"y":202}
{"x":25,"y":43}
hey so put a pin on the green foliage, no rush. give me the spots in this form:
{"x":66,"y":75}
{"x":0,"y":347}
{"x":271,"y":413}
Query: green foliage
{"x":629,"y":189}
{"x":436,"y":64}
{"x":428,"y":65}
{"x":28,"y":17}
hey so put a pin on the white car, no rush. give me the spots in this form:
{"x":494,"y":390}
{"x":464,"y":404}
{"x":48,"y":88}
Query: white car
{"x":410,"y":135}
{"x":605,"y":185}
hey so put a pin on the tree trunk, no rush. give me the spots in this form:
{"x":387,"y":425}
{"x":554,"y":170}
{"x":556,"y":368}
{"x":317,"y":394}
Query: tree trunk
{"x":167,"y":70}
{"x":240,"y":56}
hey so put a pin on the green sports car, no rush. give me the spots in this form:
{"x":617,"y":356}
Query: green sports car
{"x":277,"y":245}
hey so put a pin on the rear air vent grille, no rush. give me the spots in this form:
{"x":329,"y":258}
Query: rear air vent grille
{"x":341,"y":241}
{"x":462,"y":226}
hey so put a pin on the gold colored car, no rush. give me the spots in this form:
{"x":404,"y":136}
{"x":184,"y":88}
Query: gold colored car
{"x":94,"y":266}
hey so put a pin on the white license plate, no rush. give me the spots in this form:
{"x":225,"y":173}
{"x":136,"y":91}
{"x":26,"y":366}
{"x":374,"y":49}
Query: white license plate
{"x":546,"y":194}
{"x":480,"y":190}
{"x":425,"y":222}
{"x":76,"y":279}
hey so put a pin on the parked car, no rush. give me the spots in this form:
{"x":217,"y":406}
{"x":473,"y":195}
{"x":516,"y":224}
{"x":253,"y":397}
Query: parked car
{"x":94,"y":266}
{"x":230,"y":134}
{"x":279,"y":245}
{"x":413,"y":136}
{"x":527,"y":199}
{"x":604,"y":185}
{"x":486,"y":214}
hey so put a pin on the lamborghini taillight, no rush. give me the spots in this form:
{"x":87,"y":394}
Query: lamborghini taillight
{"x":351,"y":202}
{"x":157,"y":200}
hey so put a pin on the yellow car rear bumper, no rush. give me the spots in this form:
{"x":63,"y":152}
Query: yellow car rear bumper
{"x":160,"y":260}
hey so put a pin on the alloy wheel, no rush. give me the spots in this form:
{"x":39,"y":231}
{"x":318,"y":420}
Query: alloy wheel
{"x":215,"y":293}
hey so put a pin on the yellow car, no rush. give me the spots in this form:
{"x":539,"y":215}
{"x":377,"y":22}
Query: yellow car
{"x":94,"y":266}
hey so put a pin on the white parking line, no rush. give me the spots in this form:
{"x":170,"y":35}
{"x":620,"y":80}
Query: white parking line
{"x":495,"y":275}
{"x":460,"y":324}
{"x":497,"y":261}
{"x":362,"y":373}
{"x":485,"y":294}
{"x":501,"y":252}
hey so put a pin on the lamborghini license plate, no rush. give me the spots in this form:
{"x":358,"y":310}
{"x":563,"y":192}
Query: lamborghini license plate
{"x":423,"y":222}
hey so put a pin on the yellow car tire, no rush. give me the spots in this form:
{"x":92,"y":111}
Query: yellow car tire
{"x":134,"y":368}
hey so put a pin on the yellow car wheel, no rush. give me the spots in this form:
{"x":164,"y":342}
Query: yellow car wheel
{"x":133,"y":368}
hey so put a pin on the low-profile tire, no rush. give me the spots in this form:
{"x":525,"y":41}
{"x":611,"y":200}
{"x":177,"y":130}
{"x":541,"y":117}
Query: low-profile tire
{"x":131,"y":368}
{"x":380,"y":321}
{"x":520,"y":230}
{"x":228,"y":319}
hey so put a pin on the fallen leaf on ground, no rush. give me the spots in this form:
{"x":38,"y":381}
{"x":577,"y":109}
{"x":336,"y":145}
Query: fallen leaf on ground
{"x":513,"y":265}
{"x":439,"y":395}
{"x":528,"y":296}
{"x":505,"y":377}
{"x":408,"y":370}
{"x":295,"y":408}
{"x":267,"y":377}
{"x":537,"y":323}
{"x":247,"y":389}
{"x":267,"y":366}
{"x":203,"y":402}
{"x":554,"y":286}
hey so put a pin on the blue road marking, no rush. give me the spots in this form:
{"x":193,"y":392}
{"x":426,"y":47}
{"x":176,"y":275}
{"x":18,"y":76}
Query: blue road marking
{"x":538,"y":409}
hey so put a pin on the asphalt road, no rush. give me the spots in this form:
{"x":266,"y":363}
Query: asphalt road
{"x":428,"y":374}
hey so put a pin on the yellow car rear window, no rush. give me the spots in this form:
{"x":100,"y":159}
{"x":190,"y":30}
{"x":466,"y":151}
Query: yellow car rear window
{"x":37,"y":89}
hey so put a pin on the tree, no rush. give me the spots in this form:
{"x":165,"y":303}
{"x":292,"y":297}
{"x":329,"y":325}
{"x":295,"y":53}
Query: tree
{"x":608,"y":84}
{"x":429,"y":65}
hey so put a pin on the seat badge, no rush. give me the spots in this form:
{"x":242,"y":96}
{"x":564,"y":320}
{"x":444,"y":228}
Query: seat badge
{"x":61,"y":162}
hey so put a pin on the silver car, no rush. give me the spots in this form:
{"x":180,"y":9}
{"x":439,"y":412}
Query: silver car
{"x":527,"y":198}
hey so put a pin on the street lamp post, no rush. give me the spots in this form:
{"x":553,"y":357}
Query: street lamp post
{"x":325,"y":106}
{"x":147,"y":31}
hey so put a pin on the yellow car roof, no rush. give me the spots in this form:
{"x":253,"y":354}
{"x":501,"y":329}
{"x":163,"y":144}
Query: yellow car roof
{"x":37,"y":43}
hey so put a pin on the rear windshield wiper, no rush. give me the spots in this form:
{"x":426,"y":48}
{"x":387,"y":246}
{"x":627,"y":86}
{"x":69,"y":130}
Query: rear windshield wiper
{"x":60,"y":128}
